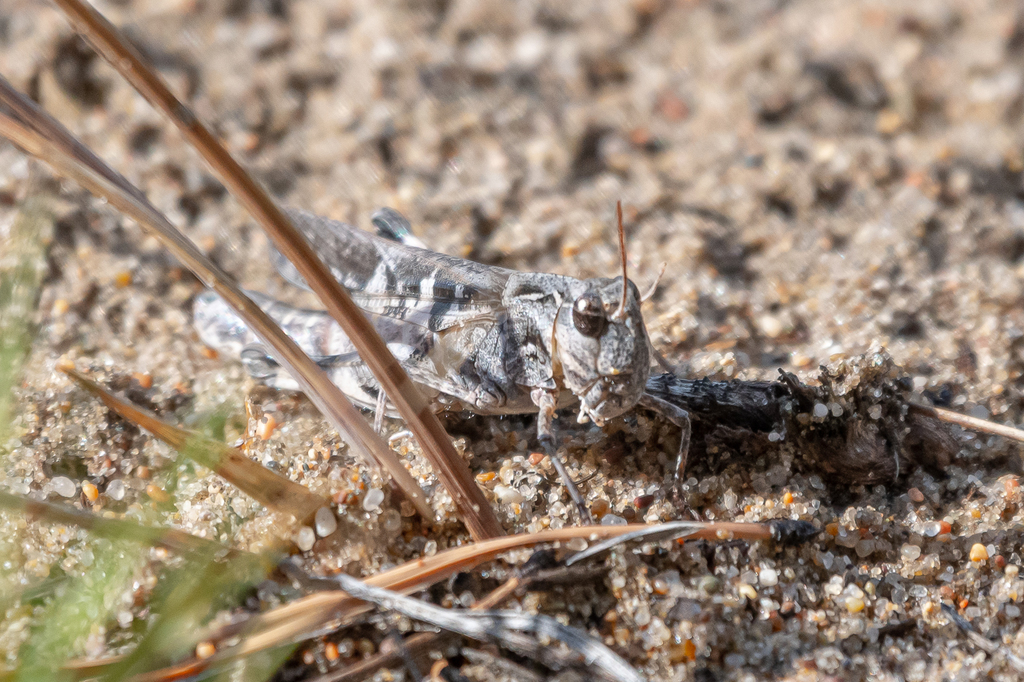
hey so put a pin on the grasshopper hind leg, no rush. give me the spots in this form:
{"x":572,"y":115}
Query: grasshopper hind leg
{"x":345,"y":370}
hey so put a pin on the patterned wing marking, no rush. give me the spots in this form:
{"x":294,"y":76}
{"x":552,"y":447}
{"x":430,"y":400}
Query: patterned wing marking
{"x":395,"y":280}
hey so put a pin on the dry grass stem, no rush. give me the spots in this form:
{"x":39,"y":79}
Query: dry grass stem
{"x":39,"y":135}
{"x":409,"y":401}
{"x":270,"y":489}
{"x":971,"y":423}
{"x":113,"y":528}
{"x":313,"y":615}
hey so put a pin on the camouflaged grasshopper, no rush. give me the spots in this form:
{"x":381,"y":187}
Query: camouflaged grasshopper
{"x":487,"y":339}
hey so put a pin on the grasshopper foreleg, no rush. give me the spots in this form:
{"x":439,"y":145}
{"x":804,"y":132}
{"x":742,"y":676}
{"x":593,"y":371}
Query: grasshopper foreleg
{"x":546,"y":401}
{"x":680,"y":418}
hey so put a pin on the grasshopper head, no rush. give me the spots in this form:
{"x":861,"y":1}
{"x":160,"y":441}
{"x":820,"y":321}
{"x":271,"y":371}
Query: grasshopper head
{"x":602,"y":346}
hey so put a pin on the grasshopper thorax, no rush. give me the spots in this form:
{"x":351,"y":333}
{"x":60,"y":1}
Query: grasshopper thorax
{"x":602,"y":347}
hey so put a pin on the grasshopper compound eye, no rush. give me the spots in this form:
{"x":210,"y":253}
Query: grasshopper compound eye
{"x":588,"y":315}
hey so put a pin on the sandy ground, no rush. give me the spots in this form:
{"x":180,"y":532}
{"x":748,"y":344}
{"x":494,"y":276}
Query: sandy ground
{"x":823,"y":179}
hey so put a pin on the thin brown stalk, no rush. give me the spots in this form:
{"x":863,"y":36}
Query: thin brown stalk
{"x":407,"y":398}
{"x":112,"y":528}
{"x":310,"y":615}
{"x":38,"y":134}
{"x":270,"y":489}
{"x":972,"y":423}
{"x":416,"y":644}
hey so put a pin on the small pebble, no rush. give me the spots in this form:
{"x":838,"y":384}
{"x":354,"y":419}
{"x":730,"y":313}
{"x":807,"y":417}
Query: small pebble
{"x":888,"y":122}
{"x":643,"y":501}
{"x":1011,"y":486}
{"x":854,"y":604}
{"x":508,"y":495}
{"x":91,"y":491}
{"x":143,"y":379}
{"x":978,"y":552}
{"x":63,"y":486}
{"x":373,"y":500}
{"x":391,"y":521}
{"x":205,"y":650}
{"x":115,"y":490}
{"x":157,"y":494}
{"x":266,"y":426}
{"x":915,"y":495}
{"x":771,"y":326}
{"x":536,"y":458}
{"x":747,"y":591}
{"x":325,"y":522}
{"x":672,"y":107}
{"x":709,"y":584}
{"x":123,"y":279}
{"x":305,"y":539}
{"x":910,"y":552}
{"x":769,"y":577}
{"x":331,"y":652}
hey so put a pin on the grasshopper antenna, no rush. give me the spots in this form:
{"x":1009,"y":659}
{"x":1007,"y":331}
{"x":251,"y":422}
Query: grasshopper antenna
{"x":654,"y":286}
{"x":620,"y":314}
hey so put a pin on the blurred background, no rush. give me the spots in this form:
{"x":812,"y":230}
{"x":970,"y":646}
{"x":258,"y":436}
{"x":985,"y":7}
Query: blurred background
{"x":822,"y":178}
{"x":818,"y":176}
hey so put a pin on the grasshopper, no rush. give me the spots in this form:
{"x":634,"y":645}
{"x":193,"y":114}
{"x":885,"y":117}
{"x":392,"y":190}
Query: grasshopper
{"x":477,"y":337}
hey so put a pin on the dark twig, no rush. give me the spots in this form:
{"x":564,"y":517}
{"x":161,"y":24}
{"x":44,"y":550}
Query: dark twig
{"x":983,"y":643}
{"x":500,"y":627}
{"x":309,"y":616}
{"x":857,"y":426}
{"x":783,"y":531}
